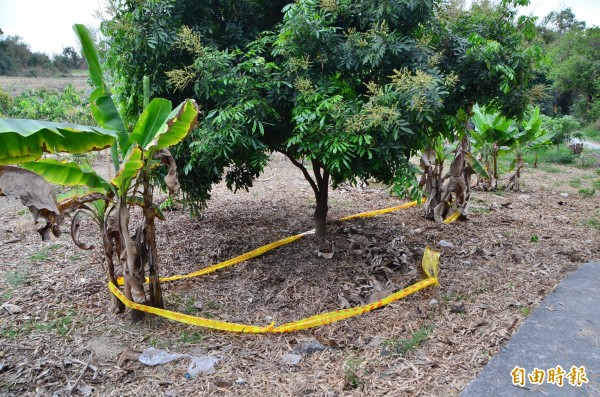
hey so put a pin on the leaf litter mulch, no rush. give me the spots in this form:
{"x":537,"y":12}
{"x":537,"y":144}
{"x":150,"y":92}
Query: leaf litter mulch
{"x":61,"y":337}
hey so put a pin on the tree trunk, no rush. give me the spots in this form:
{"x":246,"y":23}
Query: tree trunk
{"x":149,"y":247}
{"x":321,"y":198}
{"x":320,"y":186}
{"x":495,"y":166}
{"x":133,"y":270}
{"x":110,"y":270}
{"x":535,"y":162}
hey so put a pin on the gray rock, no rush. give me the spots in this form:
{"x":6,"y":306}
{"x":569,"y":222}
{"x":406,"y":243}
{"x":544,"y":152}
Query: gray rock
{"x":106,"y":348}
{"x":291,"y":359}
{"x":309,"y":347}
{"x":445,"y":244}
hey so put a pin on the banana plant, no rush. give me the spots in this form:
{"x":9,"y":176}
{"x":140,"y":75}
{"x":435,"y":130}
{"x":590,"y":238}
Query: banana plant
{"x":530,"y":137}
{"x":26,"y":140}
{"x":134,"y":153}
{"x":448,"y":192}
{"x":493,"y":135}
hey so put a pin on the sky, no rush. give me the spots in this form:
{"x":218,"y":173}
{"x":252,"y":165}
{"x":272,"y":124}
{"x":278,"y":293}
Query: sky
{"x":46,"y":24}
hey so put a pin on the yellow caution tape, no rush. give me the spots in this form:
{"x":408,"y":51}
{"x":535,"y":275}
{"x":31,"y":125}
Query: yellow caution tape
{"x":430,"y":266}
{"x":452,"y":218}
{"x":310,"y":322}
{"x":241,"y":258}
{"x":383,"y":211}
{"x":187,"y":319}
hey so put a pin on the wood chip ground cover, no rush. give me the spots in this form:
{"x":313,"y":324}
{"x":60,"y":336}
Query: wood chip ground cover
{"x":501,"y":263}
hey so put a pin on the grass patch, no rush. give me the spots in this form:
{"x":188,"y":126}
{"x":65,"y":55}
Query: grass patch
{"x":526,"y":311}
{"x":351,"y":370}
{"x":453,"y":298}
{"x":402,"y":346}
{"x":575,"y":183}
{"x":193,"y":337}
{"x":560,"y":158}
{"x":587,"y":160}
{"x":534,"y":238}
{"x":592,"y":132}
{"x":593,"y":223}
{"x":5,"y":297}
{"x":40,"y":256}
{"x":479,"y":210}
{"x":587,"y":192}
{"x":550,"y":169}
{"x":61,"y":325}
{"x":9,"y":333}
{"x":15,"y":277}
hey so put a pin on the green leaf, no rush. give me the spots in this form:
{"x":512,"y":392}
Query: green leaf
{"x":476,"y":165}
{"x":130,"y":167}
{"x":179,"y":123}
{"x":26,"y":140}
{"x":91,"y":54}
{"x":78,"y":193}
{"x":152,"y":119}
{"x":67,"y":173}
{"x":103,"y":108}
{"x":540,"y":141}
{"x":106,"y":115}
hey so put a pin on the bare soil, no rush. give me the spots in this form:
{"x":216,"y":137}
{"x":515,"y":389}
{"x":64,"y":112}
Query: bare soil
{"x":502,"y":262}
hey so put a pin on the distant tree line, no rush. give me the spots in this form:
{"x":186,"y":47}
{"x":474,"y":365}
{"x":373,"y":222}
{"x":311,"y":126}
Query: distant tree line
{"x":571,"y":71}
{"x":17,"y":59}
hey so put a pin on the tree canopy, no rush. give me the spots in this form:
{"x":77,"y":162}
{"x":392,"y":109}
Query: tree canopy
{"x":347,"y":90}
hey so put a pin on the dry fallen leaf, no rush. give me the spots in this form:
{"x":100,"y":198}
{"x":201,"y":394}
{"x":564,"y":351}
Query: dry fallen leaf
{"x":375,"y":296}
{"x":127,"y":355}
{"x":344,"y":304}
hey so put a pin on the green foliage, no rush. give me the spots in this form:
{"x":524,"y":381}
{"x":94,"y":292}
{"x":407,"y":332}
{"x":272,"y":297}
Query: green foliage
{"x":26,"y":140}
{"x":352,"y":372}
{"x":68,"y":60}
{"x":564,"y":128}
{"x":15,"y":277}
{"x":402,"y":346}
{"x":587,"y":192}
{"x":6,"y":102}
{"x":574,"y":66}
{"x":561,"y":157}
{"x":591,"y":132}
{"x":44,"y":104}
{"x":193,"y":337}
{"x":141,"y":36}
{"x":593,"y":222}
{"x":495,"y":57}
{"x":534,"y":238}
{"x":158,"y":127}
{"x":349,"y":89}
{"x":16,"y":59}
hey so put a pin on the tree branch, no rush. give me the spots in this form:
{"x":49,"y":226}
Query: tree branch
{"x":298,"y":164}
